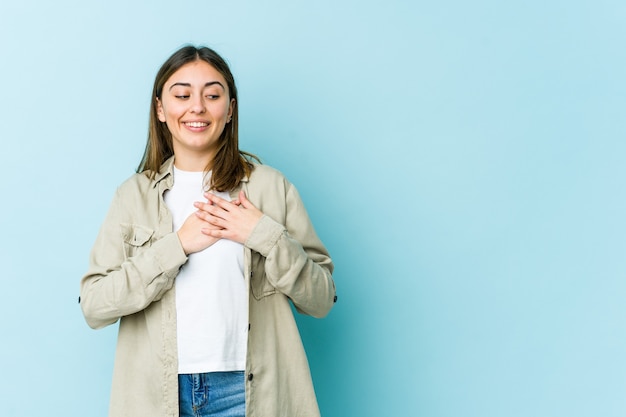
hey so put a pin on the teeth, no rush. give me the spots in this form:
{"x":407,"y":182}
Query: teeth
{"x":196,"y":124}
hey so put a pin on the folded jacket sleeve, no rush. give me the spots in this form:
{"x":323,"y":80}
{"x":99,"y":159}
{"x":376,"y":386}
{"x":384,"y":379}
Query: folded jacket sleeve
{"x":117,"y":284}
{"x":296,"y":262}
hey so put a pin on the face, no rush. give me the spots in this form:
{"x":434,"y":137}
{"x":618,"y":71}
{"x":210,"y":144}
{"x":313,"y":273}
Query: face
{"x":196,"y":106}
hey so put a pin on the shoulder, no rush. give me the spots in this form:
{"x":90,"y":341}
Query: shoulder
{"x":139,"y":180}
{"x":266,"y":171}
{"x":136,"y":187}
{"x":143,"y":182}
{"x":269,"y":190}
{"x":268,"y":176}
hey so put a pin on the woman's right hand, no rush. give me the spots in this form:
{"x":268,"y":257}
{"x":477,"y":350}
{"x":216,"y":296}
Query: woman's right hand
{"x":191,"y":236}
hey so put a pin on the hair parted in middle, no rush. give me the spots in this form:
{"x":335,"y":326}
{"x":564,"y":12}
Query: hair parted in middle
{"x":230,"y":165}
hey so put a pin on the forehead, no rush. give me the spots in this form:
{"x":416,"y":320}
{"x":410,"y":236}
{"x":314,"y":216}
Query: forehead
{"x":196,"y":73}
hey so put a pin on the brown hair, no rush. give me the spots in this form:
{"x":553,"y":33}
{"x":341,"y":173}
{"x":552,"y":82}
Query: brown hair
{"x":230,"y":164}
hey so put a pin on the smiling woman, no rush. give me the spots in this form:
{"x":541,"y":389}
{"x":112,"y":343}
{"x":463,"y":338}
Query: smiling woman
{"x":213,"y":249}
{"x":195,"y":106}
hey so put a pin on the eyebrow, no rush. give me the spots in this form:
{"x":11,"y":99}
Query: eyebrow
{"x":210,"y":83}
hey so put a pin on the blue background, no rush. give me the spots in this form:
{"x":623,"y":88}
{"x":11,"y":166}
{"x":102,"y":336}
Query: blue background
{"x":463,"y":162}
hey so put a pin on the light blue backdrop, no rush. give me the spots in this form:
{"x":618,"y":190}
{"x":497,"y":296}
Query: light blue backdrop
{"x":463,"y":162}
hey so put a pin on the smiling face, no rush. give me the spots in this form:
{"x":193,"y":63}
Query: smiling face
{"x":195,"y":105}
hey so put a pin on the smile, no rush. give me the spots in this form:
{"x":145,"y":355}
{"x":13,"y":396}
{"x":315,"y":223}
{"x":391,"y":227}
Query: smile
{"x":196,"y":124}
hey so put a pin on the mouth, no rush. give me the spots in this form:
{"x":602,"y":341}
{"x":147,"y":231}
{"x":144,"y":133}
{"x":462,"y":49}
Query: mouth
{"x":196,"y":124}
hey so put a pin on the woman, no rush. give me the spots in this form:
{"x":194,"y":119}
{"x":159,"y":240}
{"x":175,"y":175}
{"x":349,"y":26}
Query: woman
{"x":198,"y":257}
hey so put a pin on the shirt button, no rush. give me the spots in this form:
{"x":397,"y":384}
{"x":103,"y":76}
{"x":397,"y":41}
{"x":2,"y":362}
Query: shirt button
{"x":250,"y":376}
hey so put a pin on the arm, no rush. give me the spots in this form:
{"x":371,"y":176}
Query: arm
{"x":296,"y":262}
{"x":116,"y":284}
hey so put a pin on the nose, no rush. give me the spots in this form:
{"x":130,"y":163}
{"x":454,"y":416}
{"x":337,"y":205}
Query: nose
{"x":197,"y":104}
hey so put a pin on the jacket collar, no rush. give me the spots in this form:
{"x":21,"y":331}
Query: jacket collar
{"x":167,"y":170}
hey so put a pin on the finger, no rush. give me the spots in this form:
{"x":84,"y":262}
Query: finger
{"x":210,"y":208}
{"x":217,"y":233}
{"x":211,"y":219}
{"x":218,"y":201}
{"x":244,"y":200}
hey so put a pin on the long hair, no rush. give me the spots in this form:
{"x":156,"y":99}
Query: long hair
{"x":230,"y":165}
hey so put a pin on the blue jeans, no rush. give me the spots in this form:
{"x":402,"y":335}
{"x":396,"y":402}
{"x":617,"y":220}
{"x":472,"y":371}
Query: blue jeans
{"x":212,"y":394}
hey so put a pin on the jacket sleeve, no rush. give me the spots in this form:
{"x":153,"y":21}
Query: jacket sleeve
{"x":127,"y":271}
{"x":296,"y":262}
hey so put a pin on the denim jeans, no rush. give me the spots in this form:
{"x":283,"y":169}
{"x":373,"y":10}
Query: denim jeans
{"x":212,"y":394}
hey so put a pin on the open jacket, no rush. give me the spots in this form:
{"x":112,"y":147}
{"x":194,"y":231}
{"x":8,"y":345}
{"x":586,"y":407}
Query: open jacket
{"x":132,"y":269}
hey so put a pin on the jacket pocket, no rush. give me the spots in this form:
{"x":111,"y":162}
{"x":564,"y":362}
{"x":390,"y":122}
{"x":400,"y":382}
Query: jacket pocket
{"x":259,"y":284}
{"x":136,"y":238}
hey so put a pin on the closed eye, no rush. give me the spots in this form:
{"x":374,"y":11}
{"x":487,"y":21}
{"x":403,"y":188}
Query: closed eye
{"x":182,"y":97}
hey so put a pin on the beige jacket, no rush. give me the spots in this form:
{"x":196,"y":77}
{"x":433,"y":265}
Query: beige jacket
{"x":133,"y":266}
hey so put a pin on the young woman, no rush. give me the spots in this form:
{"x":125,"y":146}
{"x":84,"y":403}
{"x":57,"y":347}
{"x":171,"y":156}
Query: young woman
{"x":199,"y":257}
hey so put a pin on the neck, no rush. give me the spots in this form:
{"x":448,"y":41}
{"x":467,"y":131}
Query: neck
{"x":193,"y":162}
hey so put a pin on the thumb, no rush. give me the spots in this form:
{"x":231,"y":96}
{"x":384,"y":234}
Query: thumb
{"x":244,"y":200}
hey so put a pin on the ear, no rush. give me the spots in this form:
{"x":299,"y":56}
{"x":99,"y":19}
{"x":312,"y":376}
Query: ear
{"x":231,"y":109}
{"x":159,"y":109}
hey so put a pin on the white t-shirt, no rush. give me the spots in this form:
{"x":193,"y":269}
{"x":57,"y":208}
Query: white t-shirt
{"x":211,"y":298}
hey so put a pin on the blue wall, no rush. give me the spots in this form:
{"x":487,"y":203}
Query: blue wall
{"x":463,"y":161}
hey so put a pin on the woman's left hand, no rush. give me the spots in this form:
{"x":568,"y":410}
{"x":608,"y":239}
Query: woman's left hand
{"x":235,"y":219}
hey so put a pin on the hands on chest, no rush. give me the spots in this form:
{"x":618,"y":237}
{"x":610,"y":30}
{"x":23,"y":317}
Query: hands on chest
{"x":218,"y":219}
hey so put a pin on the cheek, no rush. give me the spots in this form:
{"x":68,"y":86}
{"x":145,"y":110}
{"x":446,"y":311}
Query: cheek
{"x":222,"y":112}
{"x":169,"y":113}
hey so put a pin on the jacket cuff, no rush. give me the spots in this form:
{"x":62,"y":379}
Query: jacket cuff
{"x":265,"y":235}
{"x":168,"y":253}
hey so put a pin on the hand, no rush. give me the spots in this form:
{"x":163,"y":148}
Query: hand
{"x":191,"y":236}
{"x":233,"y":220}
